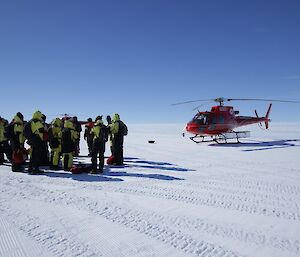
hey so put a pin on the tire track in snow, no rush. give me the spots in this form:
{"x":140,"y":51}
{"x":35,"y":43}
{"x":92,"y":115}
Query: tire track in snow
{"x":243,"y":199}
{"x":252,"y":184}
{"x":231,"y":201}
{"x":135,"y":220}
{"x":147,"y":224}
{"x":273,"y":200}
{"x":236,"y":233}
{"x":217,"y":200}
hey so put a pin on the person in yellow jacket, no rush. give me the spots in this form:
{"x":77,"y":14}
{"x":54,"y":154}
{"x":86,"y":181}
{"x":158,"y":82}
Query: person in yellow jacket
{"x":55,"y":134}
{"x":118,"y":130}
{"x":18,"y":139}
{"x":34,"y":132}
{"x":4,"y":145}
{"x":68,"y":141}
{"x":100,"y":136}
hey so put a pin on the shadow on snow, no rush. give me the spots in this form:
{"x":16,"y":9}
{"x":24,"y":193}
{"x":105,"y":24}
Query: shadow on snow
{"x":140,"y":175}
{"x":135,"y":163}
{"x":82,"y":177}
{"x":112,"y":173}
{"x":263,"y":145}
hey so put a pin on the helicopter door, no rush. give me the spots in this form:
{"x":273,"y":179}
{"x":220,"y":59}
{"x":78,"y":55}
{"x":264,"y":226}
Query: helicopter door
{"x":221,"y":119}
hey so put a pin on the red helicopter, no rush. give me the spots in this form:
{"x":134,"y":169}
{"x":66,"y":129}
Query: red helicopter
{"x":219,"y":123}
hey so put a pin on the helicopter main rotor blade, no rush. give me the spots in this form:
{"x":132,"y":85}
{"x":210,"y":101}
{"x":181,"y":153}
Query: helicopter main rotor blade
{"x":221,"y":100}
{"x":257,"y":99}
{"x":193,"y":101}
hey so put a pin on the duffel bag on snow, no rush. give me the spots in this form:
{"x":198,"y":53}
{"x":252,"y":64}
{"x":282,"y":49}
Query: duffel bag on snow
{"x":111,"y":160}
{"x":81,"y":168}
{"x":19,"y":156}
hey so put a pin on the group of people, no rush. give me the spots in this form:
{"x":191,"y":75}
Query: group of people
{"x":63,"y":137}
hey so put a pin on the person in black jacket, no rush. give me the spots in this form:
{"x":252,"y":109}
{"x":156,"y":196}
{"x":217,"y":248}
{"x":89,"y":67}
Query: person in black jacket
{"x":78,"y":129}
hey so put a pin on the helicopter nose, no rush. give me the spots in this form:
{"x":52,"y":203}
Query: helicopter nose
{"x":190,"y":127}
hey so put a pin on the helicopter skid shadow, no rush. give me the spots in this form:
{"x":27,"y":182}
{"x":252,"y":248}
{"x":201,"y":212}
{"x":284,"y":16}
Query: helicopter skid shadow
{"x":262,"y":145}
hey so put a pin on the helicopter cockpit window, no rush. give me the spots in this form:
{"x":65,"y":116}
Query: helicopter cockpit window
{"x":200,"y":119}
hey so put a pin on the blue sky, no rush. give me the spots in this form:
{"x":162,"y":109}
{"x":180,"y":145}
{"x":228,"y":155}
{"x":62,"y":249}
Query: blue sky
{"x":138,"y":57}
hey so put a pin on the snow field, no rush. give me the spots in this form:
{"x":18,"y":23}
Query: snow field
{"x":172,"y":198}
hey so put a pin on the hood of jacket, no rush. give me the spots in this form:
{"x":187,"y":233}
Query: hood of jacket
{"x":37,"y":116}
{"x":18,"y":120}
{"x":68,"y":124}
{"x":116,"y":117}
{"x":56,"y":122}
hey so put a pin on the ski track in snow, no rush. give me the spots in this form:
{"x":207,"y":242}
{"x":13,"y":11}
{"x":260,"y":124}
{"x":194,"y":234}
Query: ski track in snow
{"x":57,"y":214}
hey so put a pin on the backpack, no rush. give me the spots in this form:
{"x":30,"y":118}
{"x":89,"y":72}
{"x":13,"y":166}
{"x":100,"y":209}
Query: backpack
{"x":123,"y":128}
{"x":27,"y":130}
{"x":66,"y":136}
{"x":104,"y":133}
{"x":9,"y":132}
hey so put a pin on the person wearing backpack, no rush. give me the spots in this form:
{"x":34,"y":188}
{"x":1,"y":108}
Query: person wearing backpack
{"x":100,"y":137}
{"x":68,"y":141}
{"x":4,"y":144}
{"x":17,"y":141}
{"x":118,"y":130}
{"x":34,"y":132}
{"x":55,"y":134}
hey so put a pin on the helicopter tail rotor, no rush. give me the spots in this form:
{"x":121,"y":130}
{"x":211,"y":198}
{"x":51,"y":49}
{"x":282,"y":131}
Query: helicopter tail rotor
{"x":259,"y":124}
{"x":267,"y":116}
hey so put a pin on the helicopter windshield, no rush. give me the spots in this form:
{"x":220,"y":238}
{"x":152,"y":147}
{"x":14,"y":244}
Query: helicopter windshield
{"x":200,"y":119}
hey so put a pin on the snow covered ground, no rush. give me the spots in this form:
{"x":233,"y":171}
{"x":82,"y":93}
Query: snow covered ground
{"x":172,"y":198}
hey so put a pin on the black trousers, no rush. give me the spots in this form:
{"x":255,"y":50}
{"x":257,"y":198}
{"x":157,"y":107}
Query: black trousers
{"x":98,"y":148}
{"x":117,"y":149}
{"x":38,"y":151}
{"x":90,"y":145}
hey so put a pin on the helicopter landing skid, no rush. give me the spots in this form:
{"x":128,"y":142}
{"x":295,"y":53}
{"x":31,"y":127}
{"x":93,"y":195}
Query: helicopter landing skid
{"x":222,"y":138}
{"x":198,"y":136}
